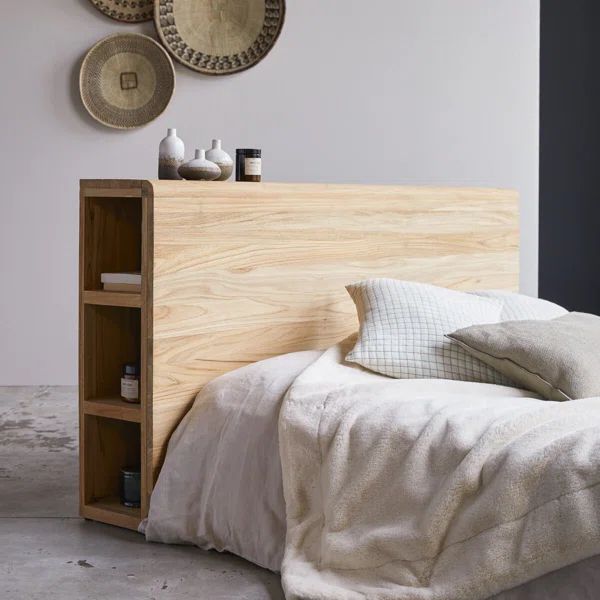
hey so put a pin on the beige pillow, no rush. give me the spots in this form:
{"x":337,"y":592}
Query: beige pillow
{"x":557,"y":358}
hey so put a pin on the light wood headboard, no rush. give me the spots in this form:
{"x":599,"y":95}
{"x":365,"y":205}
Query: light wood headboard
{"x":243,"y":272}
{"x":238,"y":272}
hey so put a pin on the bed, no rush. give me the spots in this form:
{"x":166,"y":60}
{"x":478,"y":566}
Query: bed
{"x":260,"y":464}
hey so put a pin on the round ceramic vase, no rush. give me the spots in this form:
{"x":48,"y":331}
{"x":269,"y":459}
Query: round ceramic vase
{"x":200,"y":169}
{"x":217,"y":155}
{"x":171,"y":155}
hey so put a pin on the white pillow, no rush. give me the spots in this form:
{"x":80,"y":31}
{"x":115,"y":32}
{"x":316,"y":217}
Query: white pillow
{"x":518,"y":307}
{"x":402,"y":329}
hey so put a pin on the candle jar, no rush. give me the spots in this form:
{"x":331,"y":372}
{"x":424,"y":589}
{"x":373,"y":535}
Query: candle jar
{"x":130,"y":383}
{"x":130,"y":487}
{"x":248,"y":166}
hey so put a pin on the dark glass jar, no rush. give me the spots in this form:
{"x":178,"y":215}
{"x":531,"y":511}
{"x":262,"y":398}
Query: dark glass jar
{"x":130,"y":383}
{"x":130,"y":487}
{"x":248,"y":164}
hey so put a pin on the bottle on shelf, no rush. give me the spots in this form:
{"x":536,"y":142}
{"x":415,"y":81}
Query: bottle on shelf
{"x":130,"y":383}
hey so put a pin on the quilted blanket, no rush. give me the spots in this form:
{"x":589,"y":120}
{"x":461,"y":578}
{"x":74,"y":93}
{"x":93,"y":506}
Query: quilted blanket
{"x":431,"y":497}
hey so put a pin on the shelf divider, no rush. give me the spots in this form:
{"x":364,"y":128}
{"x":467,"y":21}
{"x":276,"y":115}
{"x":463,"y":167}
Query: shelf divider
{"x":113,"y":408}
{"x":102,"y":298}
{"x":110,"y":510}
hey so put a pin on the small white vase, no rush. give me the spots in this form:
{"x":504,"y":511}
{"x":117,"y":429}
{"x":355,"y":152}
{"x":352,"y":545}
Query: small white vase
{"x":171,"y":155}
{"x":200,"y":168}
{"x":217,"y":155}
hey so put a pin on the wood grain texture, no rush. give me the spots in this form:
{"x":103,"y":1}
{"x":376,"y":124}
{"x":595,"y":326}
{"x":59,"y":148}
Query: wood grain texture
{"x":243,"y":272}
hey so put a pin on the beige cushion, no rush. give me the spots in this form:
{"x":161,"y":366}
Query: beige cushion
{"x":558,"y":358}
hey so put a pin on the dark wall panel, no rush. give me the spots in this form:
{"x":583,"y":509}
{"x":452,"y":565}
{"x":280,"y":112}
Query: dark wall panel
{"x":569,"y":269}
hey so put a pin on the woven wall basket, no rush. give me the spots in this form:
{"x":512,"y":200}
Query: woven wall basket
{"x":126,"y":80}
{"x":218,"y":37}
{"x":128,"y":11}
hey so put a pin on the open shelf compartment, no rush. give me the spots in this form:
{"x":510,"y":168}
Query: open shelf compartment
{"x":110,"y":446}
{"x":113,"y":238}
{"x":111,"y":339}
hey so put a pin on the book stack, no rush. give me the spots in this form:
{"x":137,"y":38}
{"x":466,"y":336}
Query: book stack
{"x":121,"y":282}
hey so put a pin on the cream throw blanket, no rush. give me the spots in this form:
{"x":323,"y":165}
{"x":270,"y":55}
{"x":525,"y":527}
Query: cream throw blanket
{"x":451,"y":497}
{"x":392,"y":489}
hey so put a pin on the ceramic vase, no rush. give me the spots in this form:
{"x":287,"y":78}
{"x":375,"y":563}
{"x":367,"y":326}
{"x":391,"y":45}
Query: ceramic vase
{"x":171,"y":155}
{"x":217,"y":155}
{"x":200,"y":168}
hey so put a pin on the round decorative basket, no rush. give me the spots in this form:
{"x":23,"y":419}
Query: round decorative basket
{"x":126,"y":80}
{"x":219,"y":37}
{"x":128,"y":11}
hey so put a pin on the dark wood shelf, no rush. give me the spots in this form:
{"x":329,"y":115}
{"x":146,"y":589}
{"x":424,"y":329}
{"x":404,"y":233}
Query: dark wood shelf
{"x":113,"y":408}
{"x":110,"y":510}
{"x":102,"y":298}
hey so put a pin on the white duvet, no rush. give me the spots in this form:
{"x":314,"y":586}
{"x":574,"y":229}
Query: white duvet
{"x":359,"y":486}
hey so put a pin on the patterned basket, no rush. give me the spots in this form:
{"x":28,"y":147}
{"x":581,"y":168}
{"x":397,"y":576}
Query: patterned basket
{"x":218,"y":37}
{"x":126,"y":80}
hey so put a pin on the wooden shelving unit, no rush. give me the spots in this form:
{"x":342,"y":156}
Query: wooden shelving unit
{"x":114,"y":330}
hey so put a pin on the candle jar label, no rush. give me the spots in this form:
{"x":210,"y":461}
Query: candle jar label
{"x":253,"y":166}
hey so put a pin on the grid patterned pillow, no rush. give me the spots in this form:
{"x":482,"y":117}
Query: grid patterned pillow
{"x":402,"y":329}
{"x":518,"y":307}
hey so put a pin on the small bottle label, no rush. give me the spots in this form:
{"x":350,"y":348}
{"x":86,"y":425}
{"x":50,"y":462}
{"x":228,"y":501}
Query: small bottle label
{"x":130,"y":389}
{"x":253,"y":166}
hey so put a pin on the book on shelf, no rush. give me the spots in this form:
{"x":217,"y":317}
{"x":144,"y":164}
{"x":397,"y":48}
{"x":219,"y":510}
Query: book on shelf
{"x":121,"y":282}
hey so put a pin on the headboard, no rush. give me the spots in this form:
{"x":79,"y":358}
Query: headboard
{"x":233,"y":273}
{"x":237,"y":272}
{"x":245,"y":271}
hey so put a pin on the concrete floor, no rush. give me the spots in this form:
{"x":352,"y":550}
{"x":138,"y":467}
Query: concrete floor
{"x":47,"y":552}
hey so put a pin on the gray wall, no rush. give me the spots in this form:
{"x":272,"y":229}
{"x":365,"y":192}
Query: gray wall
{"x":389,"y":91}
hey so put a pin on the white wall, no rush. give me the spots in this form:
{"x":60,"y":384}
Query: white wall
{"x":386,"y":91}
